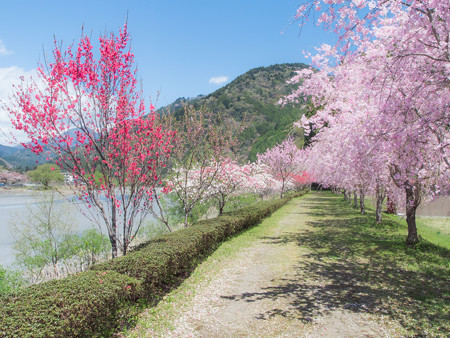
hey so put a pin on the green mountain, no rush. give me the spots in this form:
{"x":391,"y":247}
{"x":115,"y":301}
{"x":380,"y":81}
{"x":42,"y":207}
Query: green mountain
{"x":19,"y":158}
{"x":254,"y":96}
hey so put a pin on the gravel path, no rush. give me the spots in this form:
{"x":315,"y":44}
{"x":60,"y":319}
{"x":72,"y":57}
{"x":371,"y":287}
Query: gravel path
{"x":267,"y":288}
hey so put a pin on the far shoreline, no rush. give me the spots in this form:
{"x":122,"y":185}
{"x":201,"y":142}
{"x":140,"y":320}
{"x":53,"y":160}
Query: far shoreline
{"x":17,"y":190}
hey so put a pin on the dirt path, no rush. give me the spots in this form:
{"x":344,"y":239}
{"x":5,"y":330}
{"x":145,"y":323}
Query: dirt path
{"x":271,"y":286}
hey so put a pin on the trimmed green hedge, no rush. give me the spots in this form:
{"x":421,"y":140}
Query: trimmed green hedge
{"x":79,"y":305}
{"x":94,"y":302}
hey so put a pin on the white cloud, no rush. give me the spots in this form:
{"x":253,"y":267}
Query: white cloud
{"x":8,"y":77}
{"x":218,"y":80}
{"x":3,"y":50}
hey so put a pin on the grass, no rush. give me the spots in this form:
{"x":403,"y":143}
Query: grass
{"x":435,"y":230}
{"x":410,"y":284}
{"x":366,"y":268}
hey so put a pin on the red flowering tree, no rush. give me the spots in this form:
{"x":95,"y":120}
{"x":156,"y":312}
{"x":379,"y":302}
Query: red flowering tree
{"x":302,"y":180}
{"x":88,"y":114}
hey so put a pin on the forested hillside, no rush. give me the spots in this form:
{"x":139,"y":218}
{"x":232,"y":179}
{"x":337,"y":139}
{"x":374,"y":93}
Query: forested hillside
{"x":254,"y":96}
{"x":19,"y":158}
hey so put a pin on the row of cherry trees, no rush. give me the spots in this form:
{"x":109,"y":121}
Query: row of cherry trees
{"x":85,"y":112}
{"x":203,"y":167}
{"x":382,"y":96}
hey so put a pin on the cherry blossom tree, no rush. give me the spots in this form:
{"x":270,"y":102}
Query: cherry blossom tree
{"x":86,"y":113}
{"x":388,"y":74}
{"x":283,"y":161}
{"x":231,"y":180}
{"x":203,"y":147}
{"x":262,"y":183}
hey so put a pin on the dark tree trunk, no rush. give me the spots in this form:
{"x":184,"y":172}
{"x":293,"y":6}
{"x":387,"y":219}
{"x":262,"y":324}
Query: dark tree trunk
{"x":125,"y":239}
{"x":412,"y":202}
{"x":221,"y":204}
{"x":390,"y":204}
{"x":362,"y":205}
{"x":113,"y":241}
{"x":125,"y":248}
{"x":381,"y":194}
{"x":345,"y":195}
{"x":355,"y":199}
{"x":113,"y":234}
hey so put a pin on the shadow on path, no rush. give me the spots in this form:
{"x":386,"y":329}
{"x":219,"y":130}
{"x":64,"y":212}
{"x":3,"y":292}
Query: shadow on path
{"x":353,"y":264}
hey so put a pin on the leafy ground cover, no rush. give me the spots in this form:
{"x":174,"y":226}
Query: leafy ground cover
{"x":315,"y":266}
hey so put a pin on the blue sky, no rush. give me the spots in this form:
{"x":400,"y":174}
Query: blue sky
{"x":180,"y":47}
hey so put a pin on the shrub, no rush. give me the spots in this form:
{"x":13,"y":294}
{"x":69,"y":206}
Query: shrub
{"x":159,"y":261}
{"x":79,"y":305}
{"x":90,"y":246}
{"x":10,"y":280}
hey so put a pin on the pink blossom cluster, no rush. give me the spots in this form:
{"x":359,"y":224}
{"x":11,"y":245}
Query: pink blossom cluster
{"x":284,"y":162}
{"x":12,"y":177}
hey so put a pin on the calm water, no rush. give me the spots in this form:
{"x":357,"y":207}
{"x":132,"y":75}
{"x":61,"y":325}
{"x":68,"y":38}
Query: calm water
{"x":13,"y":204}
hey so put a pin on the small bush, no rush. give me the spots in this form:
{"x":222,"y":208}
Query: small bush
{"x":10,"y":280}
{"x":79,"y":305}
{"x":158,"y":261}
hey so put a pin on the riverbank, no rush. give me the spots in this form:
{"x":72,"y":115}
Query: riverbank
{"x":63,"y":190}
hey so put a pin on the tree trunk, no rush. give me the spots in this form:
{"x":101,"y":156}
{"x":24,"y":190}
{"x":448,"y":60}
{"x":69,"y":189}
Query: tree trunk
{"x":381,"y":194}
{"x":378,"y":215}
{"x":125,"y":247}
{"x":186,"y":215}
{"x":112,"y":235}
{"x":412,"y":202}
{"x":113,"y":241}
{"x":125,"y":239}
{"x":390,"y":204}
{"x":361,"y":201}
{"x":282,"y":189}
{"x":160,"y":214}
{"x":355,"y":199}
{"x":345,"y":195}
{"x":221,"y":204}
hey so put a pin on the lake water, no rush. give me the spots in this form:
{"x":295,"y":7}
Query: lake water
{"x":13,"y":203}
